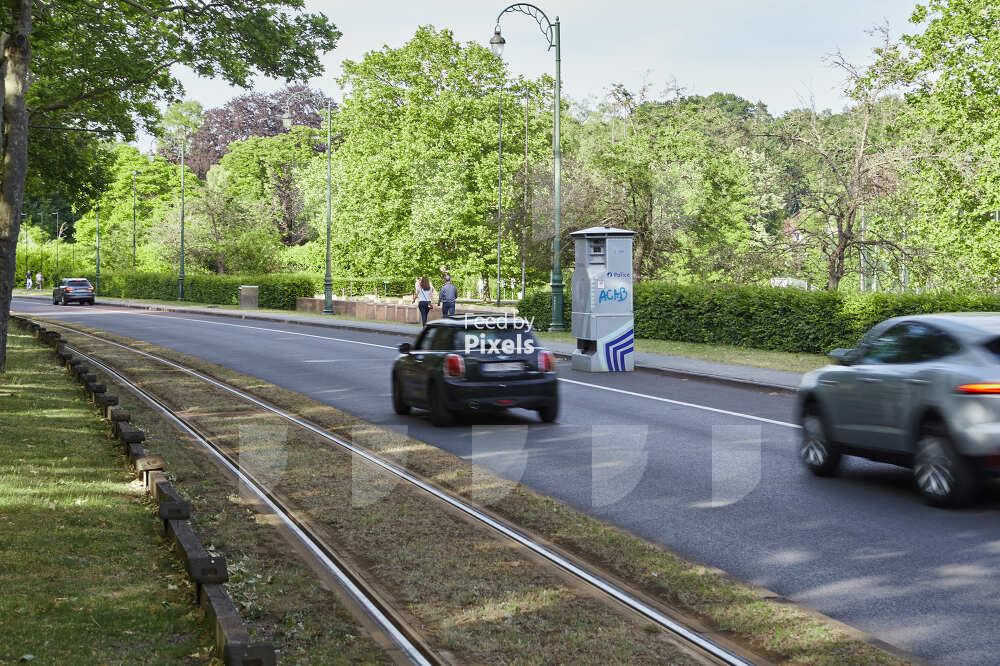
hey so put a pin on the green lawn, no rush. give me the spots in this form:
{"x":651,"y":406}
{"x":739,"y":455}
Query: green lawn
{"x":84,"y":575}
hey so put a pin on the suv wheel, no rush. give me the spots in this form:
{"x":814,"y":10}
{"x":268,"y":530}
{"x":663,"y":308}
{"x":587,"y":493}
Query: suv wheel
{"x":398,"y":404}
{"x":816,"y":451}
{"x":441,"y":416}
{"x":943,"y":477}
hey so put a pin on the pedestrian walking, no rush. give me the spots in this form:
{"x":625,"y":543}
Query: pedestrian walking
{"x":480,"y":287}
{"x":27,"y":280}
{"x":423,"y":296}
{"x":38,"y":280}
{"x":447,"y":297}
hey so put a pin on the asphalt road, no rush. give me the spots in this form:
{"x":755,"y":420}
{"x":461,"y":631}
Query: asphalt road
{"x":708,"y":470}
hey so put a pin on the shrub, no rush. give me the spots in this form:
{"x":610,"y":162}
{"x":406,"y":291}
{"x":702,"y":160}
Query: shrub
{"x":277,"y":291}
{"x":537,"y":305}
{"x":782,"y":319}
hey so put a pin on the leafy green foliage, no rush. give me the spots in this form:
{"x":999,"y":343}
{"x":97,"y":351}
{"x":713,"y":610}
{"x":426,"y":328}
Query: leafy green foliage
{"x":276,"y":291}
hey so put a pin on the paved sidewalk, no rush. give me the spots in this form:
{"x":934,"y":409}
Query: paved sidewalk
{"x":679,"y":366}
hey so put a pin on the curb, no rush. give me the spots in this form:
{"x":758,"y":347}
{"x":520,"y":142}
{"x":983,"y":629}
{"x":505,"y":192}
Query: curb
{"x":360,"y":326}
{"x":232,"y":641}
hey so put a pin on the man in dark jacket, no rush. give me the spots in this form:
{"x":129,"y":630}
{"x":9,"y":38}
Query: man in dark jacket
{"x":446,"y":298}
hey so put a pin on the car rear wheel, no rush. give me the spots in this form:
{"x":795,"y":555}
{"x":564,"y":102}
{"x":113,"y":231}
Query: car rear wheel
{"x":943,"y":477}
{"x":817,"y":452}
{"x":441,"y":416}
{"x":55,"y":301}
{"x":549,"y":412}
{"x":398,"y":404}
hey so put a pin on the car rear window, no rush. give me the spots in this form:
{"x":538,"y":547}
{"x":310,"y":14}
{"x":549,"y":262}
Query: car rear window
{"x":78,"y":283}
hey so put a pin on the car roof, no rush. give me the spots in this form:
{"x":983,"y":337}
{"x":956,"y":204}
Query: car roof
{"x":479,"y":318}
{"x":969,"y":326}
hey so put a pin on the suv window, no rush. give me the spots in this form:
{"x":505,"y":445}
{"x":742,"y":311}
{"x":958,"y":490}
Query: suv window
{"x":76,"y":283}
{"x":886,"y":348}
{"x":923,"y":343}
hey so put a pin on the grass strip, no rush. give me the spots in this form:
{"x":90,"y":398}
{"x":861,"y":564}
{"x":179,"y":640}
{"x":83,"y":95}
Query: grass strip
{"x":783,"y":631}
{"x":85,"y":577}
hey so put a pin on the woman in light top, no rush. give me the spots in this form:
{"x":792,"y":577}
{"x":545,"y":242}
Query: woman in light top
{"x":423,"y":295}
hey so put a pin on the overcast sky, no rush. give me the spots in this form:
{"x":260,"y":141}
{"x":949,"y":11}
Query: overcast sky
{"x":766,"y":50}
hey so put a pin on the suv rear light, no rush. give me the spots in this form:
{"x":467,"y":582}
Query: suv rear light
{"x":454,"y":366}
{"x":546,"y":362}
{"x":979,"y":388}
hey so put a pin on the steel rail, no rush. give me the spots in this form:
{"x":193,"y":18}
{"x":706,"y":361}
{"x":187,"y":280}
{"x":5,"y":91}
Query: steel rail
{"x":711,"y":647}
{"x":351,"y":584}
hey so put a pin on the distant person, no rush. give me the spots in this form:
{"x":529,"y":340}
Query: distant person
{"x":38,"y":280}
{"x":480,"y":288}
{"x":447,"y":297}
{"x":423,"y":296}
{"x":27,"y":280}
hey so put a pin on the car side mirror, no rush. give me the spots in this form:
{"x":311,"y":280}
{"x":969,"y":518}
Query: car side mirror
{"x":843,"y":356}
{"x":404,"y":348}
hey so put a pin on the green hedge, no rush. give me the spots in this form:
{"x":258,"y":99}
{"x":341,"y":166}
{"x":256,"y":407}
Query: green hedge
{"x":782,"y":319}
{"x":276,"y":291}
{"x":537,"y":305}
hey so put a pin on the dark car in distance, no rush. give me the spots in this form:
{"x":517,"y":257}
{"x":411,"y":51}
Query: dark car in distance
{"x":475,"y":364}
{"x":73,"y":290}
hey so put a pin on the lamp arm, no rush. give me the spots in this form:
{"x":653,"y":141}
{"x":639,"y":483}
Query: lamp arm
{"x":534,"y":12}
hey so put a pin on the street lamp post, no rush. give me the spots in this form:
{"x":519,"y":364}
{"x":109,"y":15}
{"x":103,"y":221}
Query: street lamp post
{"x":551,"y":32}
{"x":134,"y":174}
{"x":97,"y":278}
{"x":180,"y":275}
{"x":286,"y":121}
{"x":497,"y":49}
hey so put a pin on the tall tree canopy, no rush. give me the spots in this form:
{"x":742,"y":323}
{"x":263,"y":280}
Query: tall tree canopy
{"x":106,"y":65}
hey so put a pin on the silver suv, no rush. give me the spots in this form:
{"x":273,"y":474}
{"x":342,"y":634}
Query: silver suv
{"x":922,"y":392}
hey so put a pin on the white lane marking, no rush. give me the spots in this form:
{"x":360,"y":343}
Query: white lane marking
{"x":325,"y":360}
{"x":562,"y":379}
{"x":683,"y":404}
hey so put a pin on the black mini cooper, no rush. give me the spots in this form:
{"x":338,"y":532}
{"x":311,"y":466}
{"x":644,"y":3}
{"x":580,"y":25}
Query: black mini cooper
{"x":473,"y":364}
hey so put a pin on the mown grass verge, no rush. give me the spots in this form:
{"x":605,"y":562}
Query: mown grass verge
{"x":85,"y":578}
{"x":783,"y":632}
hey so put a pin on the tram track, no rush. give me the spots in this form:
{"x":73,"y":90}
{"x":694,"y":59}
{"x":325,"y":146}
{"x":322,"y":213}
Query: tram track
{"x":395,"y":625}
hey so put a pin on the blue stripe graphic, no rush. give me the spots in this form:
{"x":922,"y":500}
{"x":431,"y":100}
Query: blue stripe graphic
{"x":615,"y":351}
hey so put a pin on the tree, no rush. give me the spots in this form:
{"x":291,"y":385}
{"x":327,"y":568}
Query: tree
{"x":106,"y":65}
{"x":416,"y":169}
{"x":181,"y":120}
{"x":263,"y":169}
{"x":246,"y":116}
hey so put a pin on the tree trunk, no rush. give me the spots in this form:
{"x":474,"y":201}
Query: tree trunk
{"x":14,"y":74}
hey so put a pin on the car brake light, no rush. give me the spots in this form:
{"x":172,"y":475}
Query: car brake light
{"x":454,"y":366}
{"x":69,"y":288}
{"x":979,"y":388}
{"x":545,"y":361}
{"x":90,"y":289}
